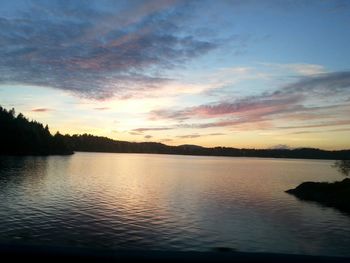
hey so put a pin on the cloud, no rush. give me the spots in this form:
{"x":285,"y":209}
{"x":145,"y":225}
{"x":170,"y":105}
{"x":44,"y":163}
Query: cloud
{"x":148,"y":136}
{"x":215,"y":134}
{"x":134,"y":133}
{"x":141,"y":130}
{"x":101,"y":108}
{"x":189,"y":136}
{"x":196,"y":135}
{"x":321,"y":85}
{"x":289,"y":101}
{"x":302,"y":69}
{"x":97,"y":51}
{"x":307,"y":69}
{"x":318,"y":125}
{"x":41,"y":110}
{"x":252,"y":106}
{"x":322,"y":131}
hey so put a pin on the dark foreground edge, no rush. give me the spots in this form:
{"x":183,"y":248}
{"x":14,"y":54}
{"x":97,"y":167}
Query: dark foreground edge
{"x":28,"y":253}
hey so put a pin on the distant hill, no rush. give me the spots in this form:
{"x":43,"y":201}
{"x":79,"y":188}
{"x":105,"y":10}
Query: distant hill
{"x":90,"y":143}
{"x":20,"y":136}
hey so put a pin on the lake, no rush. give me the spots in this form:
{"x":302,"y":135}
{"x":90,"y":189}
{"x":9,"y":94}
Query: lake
{"x":168,"y":202}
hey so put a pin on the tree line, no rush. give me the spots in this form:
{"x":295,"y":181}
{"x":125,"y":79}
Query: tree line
{"x":18,"y":135}
{"x":91,"y":143}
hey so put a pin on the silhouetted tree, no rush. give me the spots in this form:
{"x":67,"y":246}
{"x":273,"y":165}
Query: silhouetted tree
{"x":19,"y":136}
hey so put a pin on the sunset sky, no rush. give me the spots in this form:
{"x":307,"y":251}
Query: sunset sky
{"x":232,"y":73}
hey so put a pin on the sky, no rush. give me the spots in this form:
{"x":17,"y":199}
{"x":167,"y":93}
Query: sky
{"x":254,"y":74}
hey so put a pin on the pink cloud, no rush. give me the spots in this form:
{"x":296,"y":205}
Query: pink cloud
{"x":250,"y":107}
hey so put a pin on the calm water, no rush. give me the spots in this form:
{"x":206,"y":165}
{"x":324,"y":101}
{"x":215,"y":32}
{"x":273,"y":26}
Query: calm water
{"x":168,"y":202}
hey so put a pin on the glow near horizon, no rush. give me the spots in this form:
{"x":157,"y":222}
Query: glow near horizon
{"x":230,"y":73}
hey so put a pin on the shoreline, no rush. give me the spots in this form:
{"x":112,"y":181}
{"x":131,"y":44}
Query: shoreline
{"x":172,"y":154}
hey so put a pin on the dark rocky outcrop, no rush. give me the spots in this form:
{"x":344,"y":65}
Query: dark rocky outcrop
{"x":336,"y":195}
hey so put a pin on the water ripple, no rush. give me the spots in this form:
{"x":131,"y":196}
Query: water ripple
{"x":182,"y":203}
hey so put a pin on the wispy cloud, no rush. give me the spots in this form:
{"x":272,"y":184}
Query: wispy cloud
{"x":321,"y":131}
{"x":325,"y":84}
{"x":196,"y":135}
{"x":319,"y":125}
{"x":134,"y":133}
{"x":41,"y":110}
{"x":287,"y":101}
{"x":101,"y":108}
{"x":189,"y":136}
{"x":302,"y":69}
{"x":252,"y":107}
{"x":141,"y":130}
